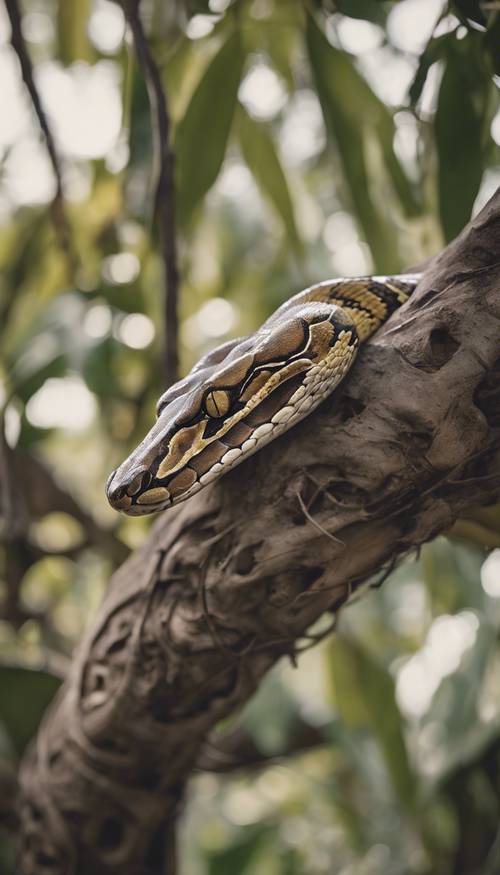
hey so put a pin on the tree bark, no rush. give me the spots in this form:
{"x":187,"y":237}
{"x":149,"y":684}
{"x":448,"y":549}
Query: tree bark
{"x":229,"y":582}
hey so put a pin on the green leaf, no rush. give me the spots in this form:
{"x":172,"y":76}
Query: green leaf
{"x":263,"y":161}
{"x":72,"y":20}
{"x":470,"y":10}
{"x":237,"y":856}
{"x":98,"y":369}
{"x":364,"y":696}
{"x":399,"y":179}
{"x":33,"y":369}
{"x":492,"y":43}
{"x":455,"y":704}
{"x":434,"y":51}
{"x":274,"y":700}
{"x":451,"y":573}
{"x":203,"y":133}
{"x":354,"y":115}
{"x":141,"y":160}
{"x":25,"y":694}
{"x":457,"y":128}
{"x":366,"y":10}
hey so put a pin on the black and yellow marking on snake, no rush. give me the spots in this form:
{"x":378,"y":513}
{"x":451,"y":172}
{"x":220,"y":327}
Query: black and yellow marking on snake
{"x":248,"y":391}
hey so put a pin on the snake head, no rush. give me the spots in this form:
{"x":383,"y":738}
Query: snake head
{"x":226,"y":409}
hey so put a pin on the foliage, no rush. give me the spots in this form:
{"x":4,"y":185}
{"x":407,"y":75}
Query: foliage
{"x":297,"y":158}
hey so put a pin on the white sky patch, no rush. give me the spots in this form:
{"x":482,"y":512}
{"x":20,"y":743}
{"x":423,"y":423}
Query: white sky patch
{"x":354,"y":259}
{"x":62,"y":403}
{"x":262,"y":92}
{"x":409,"y":614}
{"x":339,"y":231}
{"x":28,"y":176}
{"x":12,"y":424}
{"x":446,"y":25}
{"x":117,"y":158}
{"x":357,"y":36}
{"x":216,"y":317}
{"x":97,"y":321}
{"x":77,"y":177}
{"x":411,"y":22}
{"x":389,"y":74}
{"x":495,"y":128}
{"x":200,"y":26}
{"x":106,"y":27}
{"x":235,"y":181}
{"x":428,"y":99}
{"x":121,"y":268}
{"x":38,"y":27}
{"x":302,"y":134}
{"x":406,"y":139}
{"x":490,"y":574}
{"x":4,"y":26}
{"x":84,"y":104}
{"x":16,"y":118}
{"x":136,"y":330}
{"x":448,"y":638}
{"x":489,"y":185}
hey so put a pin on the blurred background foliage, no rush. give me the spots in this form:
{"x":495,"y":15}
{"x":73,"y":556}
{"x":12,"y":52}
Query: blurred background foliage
{"x":312,"y":140}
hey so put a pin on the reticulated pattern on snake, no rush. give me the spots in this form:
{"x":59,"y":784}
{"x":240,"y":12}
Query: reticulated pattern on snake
{"x":250,"y":390}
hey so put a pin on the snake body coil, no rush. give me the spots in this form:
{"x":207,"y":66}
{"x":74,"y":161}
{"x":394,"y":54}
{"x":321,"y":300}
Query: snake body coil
{"x":248,"y":391}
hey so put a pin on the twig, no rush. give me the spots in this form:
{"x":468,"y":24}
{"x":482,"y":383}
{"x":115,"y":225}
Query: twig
{"x":164,"y":199}
{"x":236,"y":749}
{"x":315,"y":523}
{"x":57,"y":208}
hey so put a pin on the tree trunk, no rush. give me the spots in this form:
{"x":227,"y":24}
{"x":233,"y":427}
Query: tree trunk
{"x":230,"y":581}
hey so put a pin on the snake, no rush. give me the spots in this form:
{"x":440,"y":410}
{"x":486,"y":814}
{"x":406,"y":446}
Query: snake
{"x":248,"y":391}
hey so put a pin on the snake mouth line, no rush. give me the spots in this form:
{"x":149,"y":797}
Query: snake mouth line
{"x":316,"y":386}
{"x":249,"y":391}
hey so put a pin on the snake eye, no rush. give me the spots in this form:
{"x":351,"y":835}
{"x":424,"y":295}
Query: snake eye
{"x":217,"y":403}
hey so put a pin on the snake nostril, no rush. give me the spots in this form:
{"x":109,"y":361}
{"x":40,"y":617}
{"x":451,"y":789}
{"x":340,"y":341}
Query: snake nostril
{"x":114,"y":493}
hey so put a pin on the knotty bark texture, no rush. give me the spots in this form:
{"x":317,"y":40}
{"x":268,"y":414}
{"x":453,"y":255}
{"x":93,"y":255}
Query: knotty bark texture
{"x":230,"y":581}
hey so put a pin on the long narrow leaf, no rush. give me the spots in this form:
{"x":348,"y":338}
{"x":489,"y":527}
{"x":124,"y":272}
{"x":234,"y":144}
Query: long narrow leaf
{"x":364,"y":693}
{"x":457,"y":128}
{"x":203,"y":133}
{"x":263,"y":161}
{"x":353,"y":114}
{"x":72,"y":18}
{"x":434,"y":51}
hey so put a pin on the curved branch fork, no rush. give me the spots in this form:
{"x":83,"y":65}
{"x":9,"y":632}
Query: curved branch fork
{"x":230,"y":581}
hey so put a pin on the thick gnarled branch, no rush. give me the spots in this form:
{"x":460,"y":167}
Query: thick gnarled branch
{"x":230,"y":581}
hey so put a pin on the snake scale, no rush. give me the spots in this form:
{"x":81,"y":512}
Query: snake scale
{"x":248,"y":391}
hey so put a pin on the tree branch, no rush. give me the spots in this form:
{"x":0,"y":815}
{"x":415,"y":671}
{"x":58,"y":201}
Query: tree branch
{"x":236,"y":750}
{"x":231,"y":581}
{"x":164,"y":199}
{"x":57,"y":208}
